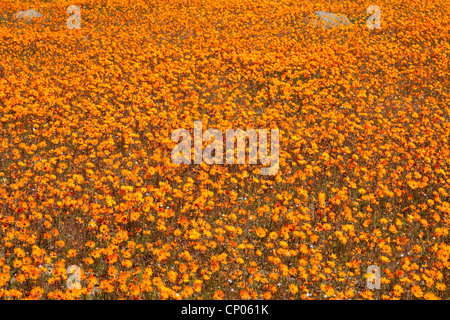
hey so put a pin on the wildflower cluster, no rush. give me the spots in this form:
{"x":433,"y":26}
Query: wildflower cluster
{"x":86,"y":176}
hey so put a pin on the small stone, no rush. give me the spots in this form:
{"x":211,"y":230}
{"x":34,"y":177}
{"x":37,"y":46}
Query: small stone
{"x":330,"y":20}
{"x":28,"y":15}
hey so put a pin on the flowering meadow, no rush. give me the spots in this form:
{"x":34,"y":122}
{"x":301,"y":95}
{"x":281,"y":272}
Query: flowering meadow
{"x":93,"y":207}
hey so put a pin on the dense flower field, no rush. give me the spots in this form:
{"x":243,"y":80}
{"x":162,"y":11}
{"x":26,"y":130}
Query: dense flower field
{"x":87,"y":180}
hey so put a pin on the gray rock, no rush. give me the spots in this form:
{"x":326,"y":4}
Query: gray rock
{"x":28,"y":15}
{"x":330,"y":20}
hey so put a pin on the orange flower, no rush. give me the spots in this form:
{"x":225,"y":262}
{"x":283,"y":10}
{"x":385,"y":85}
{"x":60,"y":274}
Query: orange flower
{"x":267,"y":295}
{"x":260,"y":232}
{"x":127,"y":263}
{"x":104,"y":228}
{"x":60,"y":243}
{"x":416,"y":291}
{"x":431,"y":296}
{"x":111,"y":259}
{"x":293,"y":288}
{"x":86,"y":170}
{"x":244,"y":294}
{"x":72,"y":253}
{"x":218,"y":295}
